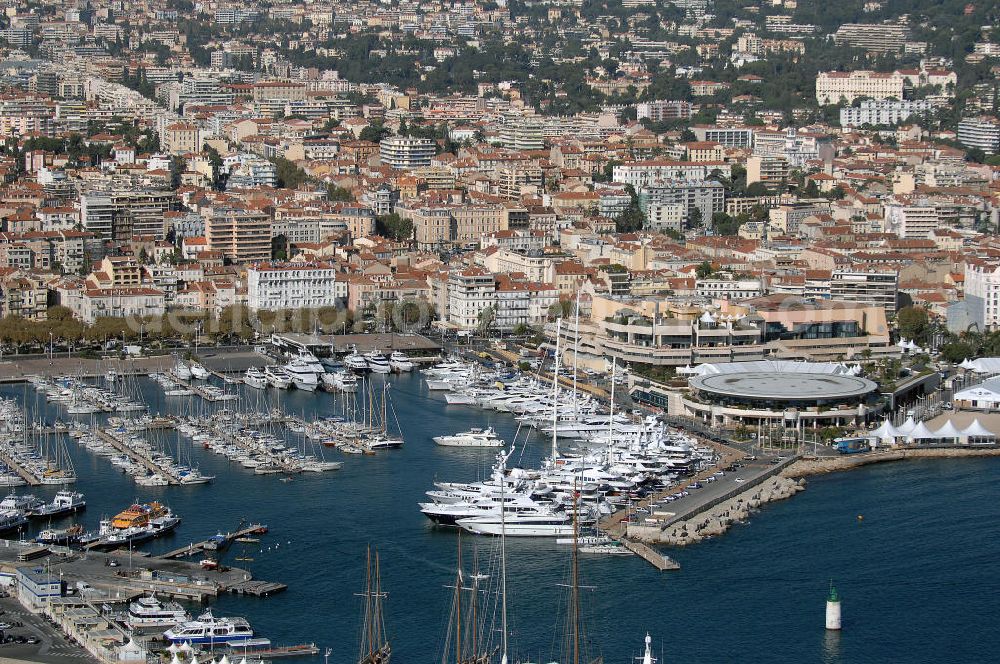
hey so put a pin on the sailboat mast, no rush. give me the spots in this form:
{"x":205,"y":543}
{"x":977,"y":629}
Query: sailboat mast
{"x":503,"y":567}
{"x":555,"y":392}
{"x":368,"y":605}
{"x":576,"y":579}
{"x":458,"y":605}
{"x":576,"y":355}
{"x":611,"y":417}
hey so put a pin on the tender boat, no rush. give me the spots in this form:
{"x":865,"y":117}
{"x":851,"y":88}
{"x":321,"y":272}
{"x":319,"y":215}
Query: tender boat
{"x":211,"y":631}
{"x":472,"y":438}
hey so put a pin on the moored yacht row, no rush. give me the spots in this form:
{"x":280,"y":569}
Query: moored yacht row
{"x":305,"y":372}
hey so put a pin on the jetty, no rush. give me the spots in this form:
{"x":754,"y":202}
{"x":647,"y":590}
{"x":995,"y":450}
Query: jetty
{"x":139,"y":458}
{"x":257,"y":588}
{"x":12,"y":463}
{"x":651,"y":555}
{"x":212,"y":544}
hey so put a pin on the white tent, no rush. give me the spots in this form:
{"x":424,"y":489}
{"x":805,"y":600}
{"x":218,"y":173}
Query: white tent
{"x":967,"y":364}
{"x":921,"y":432}
{"x":886,"y":430}
{"x":686,"y":370}
{"x":948,"y":430}
{"x":906,"y":427}
{"x":707,"y":318}
{"x":977,"y":430}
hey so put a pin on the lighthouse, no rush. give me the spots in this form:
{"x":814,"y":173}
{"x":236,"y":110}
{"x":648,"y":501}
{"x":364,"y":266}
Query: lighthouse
{"x":833,"y":609}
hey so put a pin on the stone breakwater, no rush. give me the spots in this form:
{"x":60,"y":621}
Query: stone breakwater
{"x":718,"y":519}
{"x":820,"y":466}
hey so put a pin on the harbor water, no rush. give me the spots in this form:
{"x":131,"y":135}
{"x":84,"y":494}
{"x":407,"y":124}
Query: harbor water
{"x":918,"y":568}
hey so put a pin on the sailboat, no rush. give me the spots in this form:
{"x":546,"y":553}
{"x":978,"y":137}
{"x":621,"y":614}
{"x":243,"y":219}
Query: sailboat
{"x":575,"y":645}
{"x":465,"y":643}
{"x":374,"y":647}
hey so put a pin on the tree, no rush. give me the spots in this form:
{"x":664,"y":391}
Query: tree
{"x":913,"y":324}
{"x":374,"y":132}
{"x":704,"y":270}
{"x":723,"y":224}
{"x":632,"y":219}
{"x":487,"y":317}
{"x":289,"y":175}
{"x":335,"y":193}
{"x":957,"y":351}
{"x":394,"y":226}
{"x":695,"y":218}
{"x":177,"y":166}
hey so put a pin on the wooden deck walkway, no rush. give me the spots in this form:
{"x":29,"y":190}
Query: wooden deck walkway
{"x":135,"y":456}
{"x":651,"y":555}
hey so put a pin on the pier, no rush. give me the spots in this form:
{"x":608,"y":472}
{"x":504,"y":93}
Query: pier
{"x":135,"y":456}
{"x":200,"y":547}
{"x":13,"y":464}
{"x":651,"y":555}
{"x":257,"y":588}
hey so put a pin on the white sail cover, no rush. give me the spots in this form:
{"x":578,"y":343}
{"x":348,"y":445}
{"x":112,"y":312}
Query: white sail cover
{"x":906,"y":427}
{"x":977,"y":430}
{"x":948,"y":430}
{"x":921,"y":432}
{"x":886,"y":430}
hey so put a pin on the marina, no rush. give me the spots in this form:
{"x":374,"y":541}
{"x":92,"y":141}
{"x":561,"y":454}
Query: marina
{"x":386,"y":483}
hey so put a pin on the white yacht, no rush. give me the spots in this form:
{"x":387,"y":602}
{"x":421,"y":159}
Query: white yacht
{"x":377,"y":362}
{"x":472,"y":438}
{"x":255,"y":378}
{"x":345,"y":381}
{"x":328,"y":382}
{"x":182,"y":371}
{"x":199,"y":372}
{"x":149,"y":612}
{"x":24,"y":503}
{"x":356,"y":363}
{"x":398,"y":361}
{"x":311,"y":361}
{"x":209,"y":630}
{"x":302,"y":375}
{"x":278,"y":377}
{"x":519,"y":525}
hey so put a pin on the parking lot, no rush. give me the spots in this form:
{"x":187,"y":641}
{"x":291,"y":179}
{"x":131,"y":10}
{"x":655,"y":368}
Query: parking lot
{"x":50,"y":645}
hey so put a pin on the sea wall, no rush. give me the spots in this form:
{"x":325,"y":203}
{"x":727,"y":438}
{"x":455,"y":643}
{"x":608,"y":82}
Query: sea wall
{"x":822,"y":465}
{"x":720,"y":517}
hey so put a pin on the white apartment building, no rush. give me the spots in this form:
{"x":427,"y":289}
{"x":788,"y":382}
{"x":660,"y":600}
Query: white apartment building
{"x":883,"y":112}
{"x":403,"y":152}
{"x":727,"y":287}
{"x":911,"y":221}
{"x":666,"y":216}
{"x":982,"y":133}
{"x":470,"y":292}
{"x":832,"y":86}
{"x":663,"y":110}
{"x":876,"y":287}
{"x":645,"y":173}
{"x":727,"y":137}
{"x":982,"y":292}
{"x":272,"y":286}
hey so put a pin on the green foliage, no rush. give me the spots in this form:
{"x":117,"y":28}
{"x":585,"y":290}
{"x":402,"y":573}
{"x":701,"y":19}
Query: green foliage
{"x":632,"y":219}
{"x":374,"y":132}
{"x":393,"y":226}
{"x":914,"y":324}
{"x":704,"y":270}
{"x":289,"y":175}
{"x":723,"y":224}
{"x":335,"y":193}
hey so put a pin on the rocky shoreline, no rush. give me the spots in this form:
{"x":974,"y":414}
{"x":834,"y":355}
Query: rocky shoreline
{"x":823,"y":465}
{"x":718,"y":519}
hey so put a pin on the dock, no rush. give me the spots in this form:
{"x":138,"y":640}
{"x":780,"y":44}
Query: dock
{"x":25,"y":474}
{"x":277,"y":652}
{"x":201,"y":547}
{"x":135,"y":456}
{"x":651,"y":555}
{"x":257,"y":588}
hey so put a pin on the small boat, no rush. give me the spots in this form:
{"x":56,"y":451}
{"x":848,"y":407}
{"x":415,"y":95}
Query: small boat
{"x":199,"y":372}
{"x":61,"y":537}
{"x":472,"y":438}
{"x":26,"y":503}
{"x":345,"y":381}
{"x":148,"y":612}
{"x":182,"y":371}
{"x":12,"y":520}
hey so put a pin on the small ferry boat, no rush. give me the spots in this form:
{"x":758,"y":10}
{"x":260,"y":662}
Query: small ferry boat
{"x":25,"y":503}
{"x":63,"y":537}
{"x":148,"y":612}
{"x":64,"y":502}
{"x":211,"y":631}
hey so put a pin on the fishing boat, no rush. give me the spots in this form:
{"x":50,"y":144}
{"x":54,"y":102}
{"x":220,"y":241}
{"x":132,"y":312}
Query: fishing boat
{"x":210,"y":631}
{"x":255,"y":378}
{"x":474,"y":437}
{"x":63,"y":503}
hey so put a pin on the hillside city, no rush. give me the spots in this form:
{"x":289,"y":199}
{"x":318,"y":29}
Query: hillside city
{"x":703,"y":180}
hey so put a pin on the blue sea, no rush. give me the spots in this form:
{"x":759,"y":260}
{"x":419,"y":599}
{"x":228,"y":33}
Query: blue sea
{"x":918,"y":575}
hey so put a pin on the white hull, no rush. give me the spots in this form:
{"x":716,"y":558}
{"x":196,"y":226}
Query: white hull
{"x":515,"y":529}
